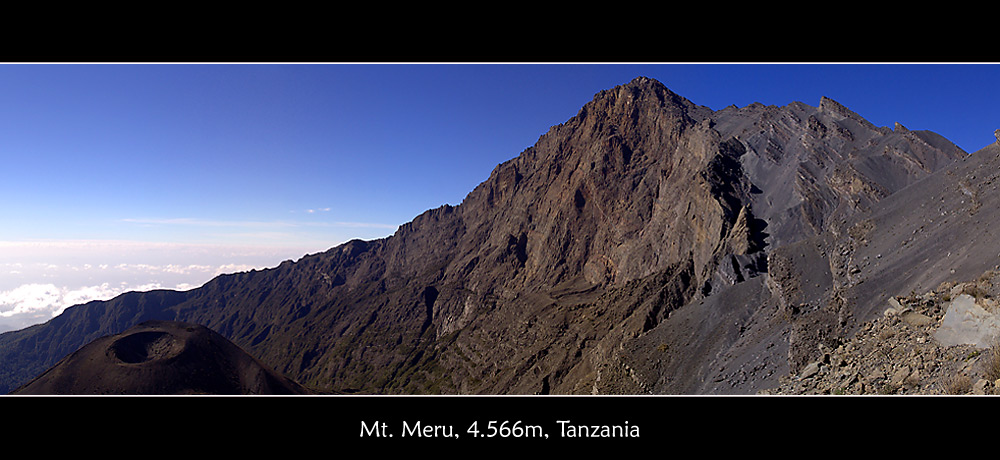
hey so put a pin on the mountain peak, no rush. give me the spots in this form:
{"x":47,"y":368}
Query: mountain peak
{"x":643,"y":94}
{"x":638,"y":86}
{"x":644,"y":80}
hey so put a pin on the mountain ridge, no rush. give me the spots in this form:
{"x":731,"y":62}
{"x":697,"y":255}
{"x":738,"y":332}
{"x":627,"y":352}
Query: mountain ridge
{"x":585,"y":245}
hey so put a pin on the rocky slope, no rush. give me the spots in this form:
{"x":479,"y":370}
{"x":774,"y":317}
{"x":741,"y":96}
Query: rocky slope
{"x":937,"y":343}
{"x":647,"y":244}
{"x":922,"y":239}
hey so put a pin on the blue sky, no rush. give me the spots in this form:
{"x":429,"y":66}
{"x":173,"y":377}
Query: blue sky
{"x":217,"y":167}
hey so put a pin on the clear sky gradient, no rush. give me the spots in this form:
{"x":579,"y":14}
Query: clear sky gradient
{"x":166,"y":174}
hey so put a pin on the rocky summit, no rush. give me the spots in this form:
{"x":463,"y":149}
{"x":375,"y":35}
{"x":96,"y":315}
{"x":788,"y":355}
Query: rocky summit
{"x":647,"y":245}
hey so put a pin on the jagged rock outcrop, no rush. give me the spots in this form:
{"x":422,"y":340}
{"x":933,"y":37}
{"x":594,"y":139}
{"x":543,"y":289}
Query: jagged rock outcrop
{"x":647,"y":244}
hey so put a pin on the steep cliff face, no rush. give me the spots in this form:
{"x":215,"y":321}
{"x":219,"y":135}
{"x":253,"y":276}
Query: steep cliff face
{"x":605,"y":258}
{"x":637,"y":188}
{"x":635,"y":183}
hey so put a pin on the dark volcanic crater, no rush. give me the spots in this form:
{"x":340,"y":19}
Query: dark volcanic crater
{"x":161,"y":358}
{"x":143,"y":347}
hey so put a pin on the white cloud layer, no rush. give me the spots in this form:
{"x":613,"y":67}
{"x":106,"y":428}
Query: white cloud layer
{"x":43,"y":301}
{"x":33,"y":303}
{"x":40,"y":279}
{"x":36,"y":302}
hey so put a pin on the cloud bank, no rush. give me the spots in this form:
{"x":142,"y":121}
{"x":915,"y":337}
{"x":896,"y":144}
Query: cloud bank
{"x":34,"y":303}
{"x":37,"y":302}
{"x":40,"y":279}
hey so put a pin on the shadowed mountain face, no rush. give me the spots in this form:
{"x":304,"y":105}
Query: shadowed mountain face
{"x":161,"y":358}
{"x":645,"y":245}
